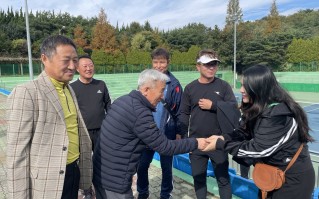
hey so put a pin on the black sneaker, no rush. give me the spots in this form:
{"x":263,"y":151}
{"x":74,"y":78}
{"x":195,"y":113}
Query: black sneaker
{"x":143,"y":196}
{"x":165,"y":198}
{"x":88,"y":194}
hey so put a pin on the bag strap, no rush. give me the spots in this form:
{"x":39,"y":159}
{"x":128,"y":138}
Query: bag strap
{"x":294,"y":158}
{"x":263,"y":194}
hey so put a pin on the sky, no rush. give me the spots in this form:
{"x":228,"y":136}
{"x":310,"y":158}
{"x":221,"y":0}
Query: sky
{"x":163,"y":14}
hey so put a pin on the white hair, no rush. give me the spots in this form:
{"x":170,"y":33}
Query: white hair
{"x":150,"y":77}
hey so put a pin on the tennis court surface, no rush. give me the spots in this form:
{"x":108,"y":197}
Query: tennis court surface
{"x":312,"y":111}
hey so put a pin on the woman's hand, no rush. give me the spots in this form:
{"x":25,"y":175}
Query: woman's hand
{"x":212,"y":142}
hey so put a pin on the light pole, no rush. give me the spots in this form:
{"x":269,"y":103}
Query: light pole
{"x":235,"y":20}
{"x":28,"y":40}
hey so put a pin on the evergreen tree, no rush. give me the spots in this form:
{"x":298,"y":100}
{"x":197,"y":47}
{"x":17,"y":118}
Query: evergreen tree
{"x":147,"y":26}
{"x":80,"y":37}
{"x":103,"y":34}
{"x":234,"y":12}
{"x":273,"y":19}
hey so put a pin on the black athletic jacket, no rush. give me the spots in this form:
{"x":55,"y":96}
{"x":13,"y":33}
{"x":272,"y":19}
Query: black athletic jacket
{"x":274,"y":141}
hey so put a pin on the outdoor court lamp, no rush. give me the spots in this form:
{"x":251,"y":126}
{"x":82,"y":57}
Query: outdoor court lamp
{"x":28,"y":40}
{"x":62,"y":31}
{"x":235,"y":18}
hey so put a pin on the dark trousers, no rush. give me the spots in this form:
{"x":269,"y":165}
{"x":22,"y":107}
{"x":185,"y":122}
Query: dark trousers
{"x":94,"y":135}
{"x":102,"y":193}
{"x":219,"y":159}
{"x":142,"y":173}
{"x":244,"y":171}
{"x":71,"y":181}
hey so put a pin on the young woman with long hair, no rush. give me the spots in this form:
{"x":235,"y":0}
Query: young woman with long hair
{"x":272,"y":128}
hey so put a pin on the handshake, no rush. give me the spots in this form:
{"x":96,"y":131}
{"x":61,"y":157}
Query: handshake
{"x":208,"y":144}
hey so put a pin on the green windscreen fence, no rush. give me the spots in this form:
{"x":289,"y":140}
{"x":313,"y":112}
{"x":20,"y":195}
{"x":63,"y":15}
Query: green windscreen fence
{"x":301,"y":87}
{"x":295,"y":81}
{"x":299,"y":81}
{"x":298,"y":87}
{"x":12,"y":74}
{"x":19,"y":69}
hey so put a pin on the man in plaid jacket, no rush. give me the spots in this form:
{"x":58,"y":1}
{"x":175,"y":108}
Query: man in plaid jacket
{"x":48,"y":146}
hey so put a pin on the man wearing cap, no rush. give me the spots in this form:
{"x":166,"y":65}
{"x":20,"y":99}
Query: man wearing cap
{"x":199,"y":119}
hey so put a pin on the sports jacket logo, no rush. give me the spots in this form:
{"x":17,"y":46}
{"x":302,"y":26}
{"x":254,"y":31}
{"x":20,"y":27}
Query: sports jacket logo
{"x":99,"y":91}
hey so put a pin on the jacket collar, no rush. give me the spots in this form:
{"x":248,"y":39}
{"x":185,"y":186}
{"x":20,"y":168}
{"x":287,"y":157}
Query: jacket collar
{"x":51,"y":93}
{"x":138,"y":95}
{"x":277,"y":110}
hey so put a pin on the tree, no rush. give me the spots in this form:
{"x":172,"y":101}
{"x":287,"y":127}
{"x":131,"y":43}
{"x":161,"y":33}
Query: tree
{"x":138,"y":57}
{"x":234,"y":12}
{"x":147,"y":26}
{"x":192,"y":34}
{"x":315,"y":49}
{"x":256,"y":40}
{"x":138,"y":42}
{"x":5,"y":44}
{"x":270,"y":50}
{"x":99,"y":59}
{"x":20,"y":46}
{"x":124,"y":45}
{"x":134,"y":28}
{"x":145,"y":40}
{"x":273,"y":19}
{"x":214,"y":39}
{"x":234,"y":16}
{"x":225,"y":50}
{"x":245,"y":33}
{"x":296,"y":50}
{"x":103,"y":34}
{"x":176,"y":57}
{"x":80,"y":37}
{"x":191,"y":55}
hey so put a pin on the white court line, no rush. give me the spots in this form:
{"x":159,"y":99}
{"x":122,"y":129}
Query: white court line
{"x":312,"y":110}
{"x":306,"y":102}
{"x":309,"y":106}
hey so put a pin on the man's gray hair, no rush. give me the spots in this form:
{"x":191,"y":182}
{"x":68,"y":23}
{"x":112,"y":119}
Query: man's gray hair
{"x":150,"y":77}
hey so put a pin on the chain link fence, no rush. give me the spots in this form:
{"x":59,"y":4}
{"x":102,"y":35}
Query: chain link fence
{"x":22,"y":69}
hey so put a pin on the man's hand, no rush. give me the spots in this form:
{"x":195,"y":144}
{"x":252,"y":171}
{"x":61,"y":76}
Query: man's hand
{"x":212,"y":142}
{"x":178,"y":137}
{"x":215,"y":137}
{"x":202,"y":143}
{"x":205,"y":104}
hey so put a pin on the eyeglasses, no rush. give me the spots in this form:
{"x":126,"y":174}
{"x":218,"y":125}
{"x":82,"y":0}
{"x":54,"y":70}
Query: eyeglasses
{"x":211,"y":64}
{"x":88,"y":66}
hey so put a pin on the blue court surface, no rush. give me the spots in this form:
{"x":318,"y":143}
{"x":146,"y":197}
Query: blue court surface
{"x":313,"y":119}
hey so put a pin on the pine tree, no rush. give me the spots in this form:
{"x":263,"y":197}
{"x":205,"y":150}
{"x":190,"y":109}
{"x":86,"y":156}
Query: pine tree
{"x":273,"y":19}
{"x":103,"y":37}
{"x":234,"y":12}
{"x":80,"y":36}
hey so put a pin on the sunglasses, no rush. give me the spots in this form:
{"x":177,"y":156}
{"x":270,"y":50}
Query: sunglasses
{"x":211,"y":64}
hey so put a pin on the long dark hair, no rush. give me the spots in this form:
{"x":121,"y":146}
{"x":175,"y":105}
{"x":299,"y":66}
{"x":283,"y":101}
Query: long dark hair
{"x":263,"y":89}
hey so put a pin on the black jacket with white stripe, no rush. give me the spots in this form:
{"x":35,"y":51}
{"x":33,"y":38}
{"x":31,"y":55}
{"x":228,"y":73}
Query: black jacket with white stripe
{"x":274,"y":141}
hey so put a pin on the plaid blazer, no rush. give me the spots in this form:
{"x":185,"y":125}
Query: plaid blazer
{"x":37,"y":142}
